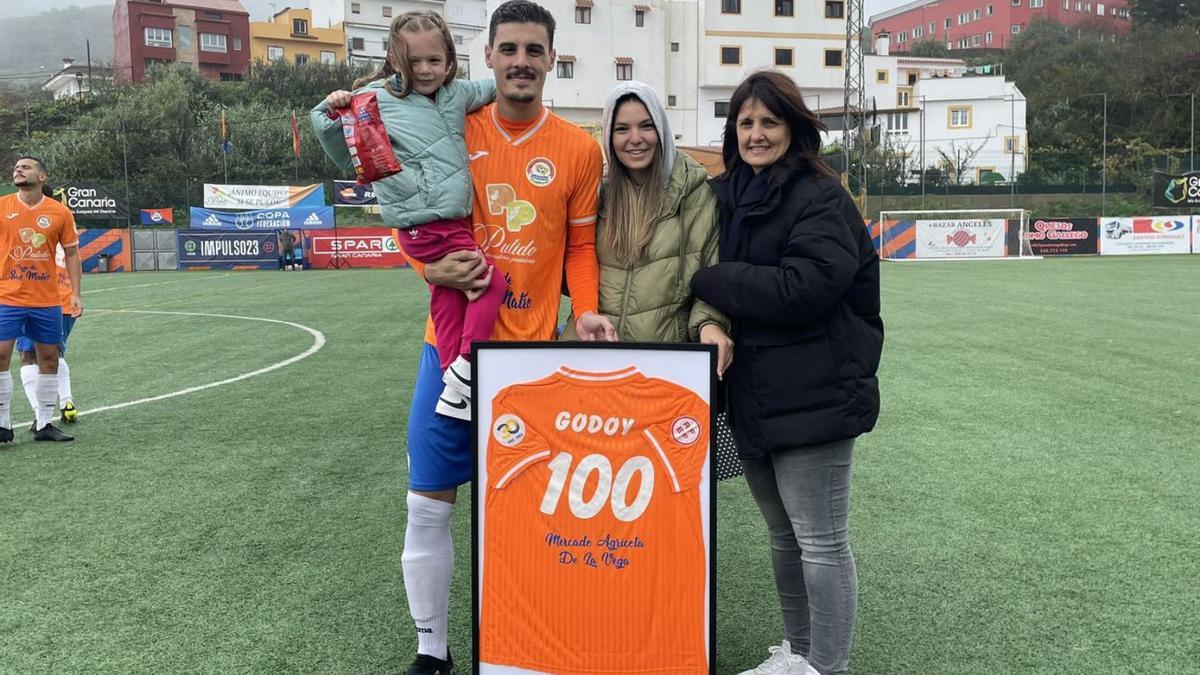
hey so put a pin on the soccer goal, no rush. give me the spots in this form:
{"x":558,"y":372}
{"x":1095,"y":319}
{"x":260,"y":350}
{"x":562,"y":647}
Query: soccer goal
{"x":969,"y":234}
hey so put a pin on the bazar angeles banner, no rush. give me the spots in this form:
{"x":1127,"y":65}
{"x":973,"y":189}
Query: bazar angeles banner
{"x":960,"y":238}
{"x":306,"y":218}
{"x":217,"y":196}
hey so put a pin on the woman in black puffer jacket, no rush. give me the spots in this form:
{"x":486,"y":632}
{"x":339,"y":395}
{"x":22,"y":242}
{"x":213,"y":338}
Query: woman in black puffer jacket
{"x":799,"y":278}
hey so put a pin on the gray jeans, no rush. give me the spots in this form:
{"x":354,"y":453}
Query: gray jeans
{"x":804,"y":495}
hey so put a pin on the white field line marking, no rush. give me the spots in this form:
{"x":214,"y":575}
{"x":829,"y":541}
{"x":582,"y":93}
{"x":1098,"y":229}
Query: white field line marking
{"x":157,"y":283}
{"x":318,"y":343}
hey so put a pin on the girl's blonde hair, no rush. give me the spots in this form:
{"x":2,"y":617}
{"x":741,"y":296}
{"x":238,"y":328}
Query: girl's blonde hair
{"x":630,"y":209}
{"x":397,"y":52}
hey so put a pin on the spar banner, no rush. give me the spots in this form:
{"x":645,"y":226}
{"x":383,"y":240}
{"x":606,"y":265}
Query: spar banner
{"x":227,"y":250}
{"x":301,"y":217}
{"x":960,"y":238}
{"x":349,"y":193}
{"x":1066,"y":236}
{"x":262,"y":196}
{"x":593,"y":508}
{"x":358,"y":246}
{"x":89,"y":201}
{"x":1171,"y":191}
{"x":1145,"y":236}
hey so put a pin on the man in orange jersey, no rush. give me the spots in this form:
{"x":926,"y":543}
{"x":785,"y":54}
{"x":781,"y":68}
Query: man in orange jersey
{"x":31,"y":229}
{"x":536,"y":179}
{"x":29,"y":367}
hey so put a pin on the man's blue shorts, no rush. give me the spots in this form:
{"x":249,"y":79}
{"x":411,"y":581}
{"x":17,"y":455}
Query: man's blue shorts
{"x":41,"y":324}
{"x":439,"y":447}
{"x":24,"y":344}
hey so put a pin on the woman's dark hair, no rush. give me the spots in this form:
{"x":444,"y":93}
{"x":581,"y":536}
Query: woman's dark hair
{"x":521,"y":11}
{"x":782,"y":97}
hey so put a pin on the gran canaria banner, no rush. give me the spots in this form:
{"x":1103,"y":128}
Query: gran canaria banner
{"x":262,"y":196}
{"x":1177,"y":191}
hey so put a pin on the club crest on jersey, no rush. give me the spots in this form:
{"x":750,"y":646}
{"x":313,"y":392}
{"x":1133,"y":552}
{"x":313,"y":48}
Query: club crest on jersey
{"x":508,"y":430}
{"x":540,"y":171}
{"x":43,"y":222}
{"x":685,"y":430}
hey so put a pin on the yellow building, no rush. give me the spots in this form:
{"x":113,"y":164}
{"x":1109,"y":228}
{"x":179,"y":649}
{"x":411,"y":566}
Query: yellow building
{"x":290,"y":35}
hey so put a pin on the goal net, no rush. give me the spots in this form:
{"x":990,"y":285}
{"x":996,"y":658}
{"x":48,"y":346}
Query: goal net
{"x":969,"y":234}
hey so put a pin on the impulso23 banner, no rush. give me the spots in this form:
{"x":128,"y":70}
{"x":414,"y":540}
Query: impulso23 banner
{"x":1145,"y":236}
{"x":217,"y":196}
{"x":1065,"y":236}
{"x":961,"y":238}
{"x":227,"y":250}
{"x":304,"y":217}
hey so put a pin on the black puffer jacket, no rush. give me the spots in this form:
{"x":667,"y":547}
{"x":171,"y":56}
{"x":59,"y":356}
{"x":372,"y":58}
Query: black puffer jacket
{"x":800,"y":280}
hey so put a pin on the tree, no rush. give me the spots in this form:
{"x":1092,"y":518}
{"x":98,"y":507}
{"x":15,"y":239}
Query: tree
{"x":959,"y":159}
{"x":930,"y":48}
{"x":1165,"y":12}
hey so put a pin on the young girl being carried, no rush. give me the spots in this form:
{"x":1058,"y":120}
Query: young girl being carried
{"x":423,"y":107}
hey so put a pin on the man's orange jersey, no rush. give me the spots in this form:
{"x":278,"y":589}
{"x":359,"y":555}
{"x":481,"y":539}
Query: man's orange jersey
{"x":594,"y":557}
{"x":28,"y":240}
{"x":528,"y":190}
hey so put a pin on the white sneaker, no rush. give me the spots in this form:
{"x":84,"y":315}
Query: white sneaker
{"x":458,"y":376}
{"x":453,"y":404}
{"x":781,"y":662}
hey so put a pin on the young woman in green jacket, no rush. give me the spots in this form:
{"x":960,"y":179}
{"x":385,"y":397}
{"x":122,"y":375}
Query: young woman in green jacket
{"x":658,"y":227}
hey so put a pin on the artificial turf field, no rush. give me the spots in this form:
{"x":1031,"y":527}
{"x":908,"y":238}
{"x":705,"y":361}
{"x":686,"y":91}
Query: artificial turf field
{"x":1029,"y":502}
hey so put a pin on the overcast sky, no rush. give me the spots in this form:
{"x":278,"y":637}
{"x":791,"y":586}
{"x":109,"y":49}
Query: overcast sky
{"x":261,"y":10}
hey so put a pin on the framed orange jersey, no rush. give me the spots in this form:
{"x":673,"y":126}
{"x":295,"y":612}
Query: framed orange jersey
{"x":594,"y":509}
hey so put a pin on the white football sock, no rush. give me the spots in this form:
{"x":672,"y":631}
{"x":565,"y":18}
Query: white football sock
{"x":47,"y":398}
{"x":64,"y":382}
{"x":6,"y":400}
{"x":29,"y":380}
{"x":428,"y":562}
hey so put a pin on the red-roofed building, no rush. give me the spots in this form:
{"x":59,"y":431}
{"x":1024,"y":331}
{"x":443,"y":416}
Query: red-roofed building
{"x":992,"y":24}
{"x":209,"y":36}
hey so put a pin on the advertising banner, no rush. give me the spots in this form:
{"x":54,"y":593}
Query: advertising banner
{"x":960,"y":238}
{"x":1145,"y":236}
{"x":262,"y":196}
{"x":228,"y":250}
{"x":1067,"y":236}
{"x":112,"y":246}
{"x":1195,"y":234}
{"x":593,"y":506}
{"x":308,"y":218}
{"x":356,"y":246}
{"x":349,"y":193}
{"x":1171,"y":191}
{"x":157,"y":216}
{"x":89,"y":201}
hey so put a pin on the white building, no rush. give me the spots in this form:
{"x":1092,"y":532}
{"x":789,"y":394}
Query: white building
{"x":73,"y":79}
{"x":367,"y":22}
{"x":466,"y":19}
{"x":693,"y":52}
{"x":938,"y":106}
